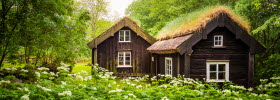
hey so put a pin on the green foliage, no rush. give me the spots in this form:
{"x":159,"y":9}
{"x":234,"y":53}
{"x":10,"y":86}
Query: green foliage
{"x":264,"y":18}
{"x":268,"y":68}
{"x":154,"y":14}
{"x":102,"y":85}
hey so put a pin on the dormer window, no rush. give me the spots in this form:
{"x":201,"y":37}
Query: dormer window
{"x":124,"y":36}
{"x":218,"y":40}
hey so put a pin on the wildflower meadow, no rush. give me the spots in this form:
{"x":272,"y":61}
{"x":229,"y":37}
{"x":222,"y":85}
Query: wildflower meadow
{"x":43,"y":83}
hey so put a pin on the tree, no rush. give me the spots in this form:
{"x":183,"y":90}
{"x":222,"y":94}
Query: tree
{"x":154,"y":14}
{"x":265,"y":19}
{"x":45,"y":31}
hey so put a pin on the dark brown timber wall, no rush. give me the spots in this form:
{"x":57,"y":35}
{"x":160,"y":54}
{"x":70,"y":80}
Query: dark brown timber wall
{"x":177,"y":63}
{"x":234,"y":50}
{"x":107,"y":54}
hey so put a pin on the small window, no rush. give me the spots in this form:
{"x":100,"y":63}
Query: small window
{"x":217,"y":71}
{"x":124,"y":36}
{"x":168,"y":66}
{"x":124,"y":59}
{"x":218,"y":40}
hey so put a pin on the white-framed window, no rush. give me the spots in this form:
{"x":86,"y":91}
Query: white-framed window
{"x":168,"y":66}
{"x":124,"y":59}
{"x":218,"y":40}
{"x":124,"y":36}
{"x":217,"y":71}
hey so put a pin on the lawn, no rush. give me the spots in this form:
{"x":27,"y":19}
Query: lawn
{"x":79,"y":67}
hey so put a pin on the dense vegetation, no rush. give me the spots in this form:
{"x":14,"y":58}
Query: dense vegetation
{"x":42,"y":83}
{"x":45,"y":33}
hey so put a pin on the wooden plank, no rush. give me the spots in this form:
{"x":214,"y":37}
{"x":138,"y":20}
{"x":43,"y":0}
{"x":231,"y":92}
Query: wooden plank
{"x":251,"y":70}
{"x":178,"y":64}
{"x":187,"y":65}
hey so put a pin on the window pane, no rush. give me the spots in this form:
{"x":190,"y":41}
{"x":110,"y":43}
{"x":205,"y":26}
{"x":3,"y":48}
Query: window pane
{"x":222,"y":67}
{"x":121,"y":35}
{"x":220,"y":38}
{"x":216,"y":38}
{"x":213,"y":67}
{"x":221,"y":75}
{"x":127,"y":60}
{"x":213,"y":75}
{"x":127,"y":54}
{"x":121,"y":61}
{"x":120,"y":53}
{"x":127,"y":36}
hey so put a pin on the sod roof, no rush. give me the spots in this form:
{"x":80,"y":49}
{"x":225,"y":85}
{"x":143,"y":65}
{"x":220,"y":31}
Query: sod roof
{"x":195,"y":21}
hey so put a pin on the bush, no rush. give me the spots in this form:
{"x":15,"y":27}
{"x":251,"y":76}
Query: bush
{"x":102,"y":85}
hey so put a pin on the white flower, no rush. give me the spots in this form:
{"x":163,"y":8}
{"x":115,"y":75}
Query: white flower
{"x":43,"y":68}
{"x":250,"y":89}
{"x":23,"y":70}
{"x":37,"y":74}
{"x":163,"y":86}
{"x":139,"y":86}
{"x":238,"y":99}
{"x":83,"y":71}
{"x":275,"y":78}
{"x":125,"y":96}
{"x":164,"y":98}
{"x":263,"y":95}
{"x":263,"y":80}
{"x":132,"y":95}
{"x":226,"y":91}
{"x":65,"y":93}
{"x":25,"y":97}
{"x":63,"y":83}
{"x":94,"y":88}
{"x":117,"y":90}
{"x":3,"y":81}
{"x":238,"y":87}
{"x":13,"y":69}
{"x":24,"y":89}
{"x":254,"y":94}
{"x":45,"y":89}
{"x":44,"y":72}
{"x":7,"y":68}
{"x":52,"y":74}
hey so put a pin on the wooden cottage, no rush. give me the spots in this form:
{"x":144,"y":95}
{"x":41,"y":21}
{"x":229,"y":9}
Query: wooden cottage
{"x":122,"y":49}
{"x":214,"y":44}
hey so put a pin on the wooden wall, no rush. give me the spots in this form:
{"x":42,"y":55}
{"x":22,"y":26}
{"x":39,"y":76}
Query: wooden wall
{"x":160,"y":63}
{"x":107,"y":54}
{"x":234,"y":50}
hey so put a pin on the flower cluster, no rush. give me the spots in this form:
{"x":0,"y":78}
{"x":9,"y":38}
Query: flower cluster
{"x":5,"y":82}
{"x":44,"y":88}
{"x":117,"y":90}
{"x":65,"y":93}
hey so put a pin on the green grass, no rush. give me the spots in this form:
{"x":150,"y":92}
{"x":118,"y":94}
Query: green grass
{"x":79,"y":67}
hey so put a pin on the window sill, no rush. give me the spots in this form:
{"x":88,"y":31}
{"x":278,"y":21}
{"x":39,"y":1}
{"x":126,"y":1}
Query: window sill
{"x":124,"y":66}
{"x":124,"y":41}
{"x":210,"y":81}
{"x":218,"y":46}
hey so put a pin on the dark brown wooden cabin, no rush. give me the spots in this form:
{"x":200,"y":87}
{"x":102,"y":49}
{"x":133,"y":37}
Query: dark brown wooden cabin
{"x":122,"y":49}
{"x":222,"y":50}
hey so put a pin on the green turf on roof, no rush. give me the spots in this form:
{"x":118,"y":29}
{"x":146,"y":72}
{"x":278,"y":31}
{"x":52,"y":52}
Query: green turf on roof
{"x":190,"y":22}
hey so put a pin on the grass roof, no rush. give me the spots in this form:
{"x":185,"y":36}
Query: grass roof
{"x":194,"y":21}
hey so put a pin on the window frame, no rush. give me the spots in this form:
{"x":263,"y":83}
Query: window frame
{"x":124,"y":35}
{"x":217,"y":71}
{"x":170,"y":66}
{"x":124,"y":59}
{"x":222,"y":41}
